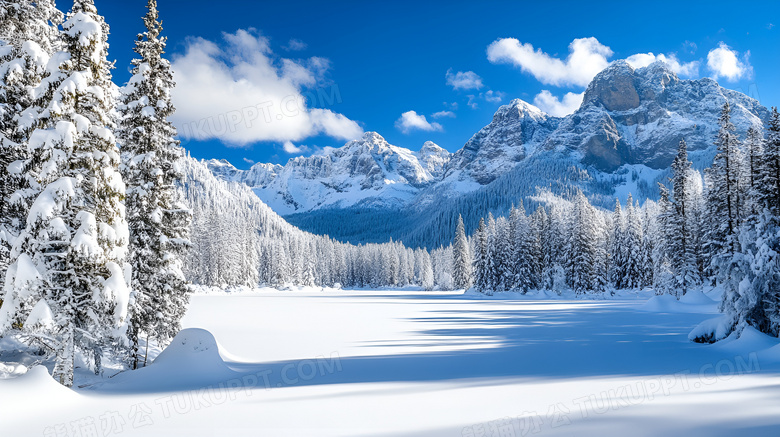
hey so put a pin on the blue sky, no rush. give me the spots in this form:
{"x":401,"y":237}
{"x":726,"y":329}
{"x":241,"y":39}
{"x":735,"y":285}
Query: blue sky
{"x":280,"y":78}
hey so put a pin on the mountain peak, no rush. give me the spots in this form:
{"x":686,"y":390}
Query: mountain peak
{"x":524,"y":108}
{"x":430,"y":146}
{"x":614,"y":88}
{"x":373,"y":137}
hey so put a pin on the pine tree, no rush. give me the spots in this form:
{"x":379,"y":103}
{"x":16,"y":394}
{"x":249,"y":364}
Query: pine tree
{"x":751,"y":296}
{"x":28,"y":37}
{"x":680,"y":250}
{"x":633,"y":245}
{"x":524,"y":251}
{"x":724,"y":196}
{"x":664,"y":279}
{"x":480,"y":258}
{"x":461,"y":257}
{"x":769,"y":187}
{"x":71,"y":255}
{"x":754,"y":143}
{"x":581,"y":253}
{"x":157,"y":217}
{"x":617,"y":252}
{"x":503,"y":252}
{"x":492,"y":260}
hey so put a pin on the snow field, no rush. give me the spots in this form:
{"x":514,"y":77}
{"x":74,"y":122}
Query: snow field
{"x":388,"y":363}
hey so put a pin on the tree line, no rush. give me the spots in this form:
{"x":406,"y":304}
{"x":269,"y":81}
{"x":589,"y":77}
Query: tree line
{"x":717,"y":229}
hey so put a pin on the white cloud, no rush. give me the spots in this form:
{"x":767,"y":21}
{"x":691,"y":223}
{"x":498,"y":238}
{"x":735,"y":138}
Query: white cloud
{"x":587,"y":57}
{"x":690,"y":46}
{"x":295,"y":45}
{"x":239,"y":92}
{"x":493,"y":96}
{"x":685,"y":69}
{"x":411,"y":120}
{"x":249,"y":161}
{"x":464,"y":80}
{"x":725,"y":62}
{"x":442,"y":114}
{"x":291,"y":148}
{"x":550,"y":104}
{"x":472,"y":103}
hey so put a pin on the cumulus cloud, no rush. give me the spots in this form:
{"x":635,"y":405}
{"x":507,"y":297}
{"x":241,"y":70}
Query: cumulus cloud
{"x":239,"y":92}
{"x":442,"y":114}
{"x":493,"y":96}
{"x":722,"y":61}
{"x":587,"y":56}
{"x":463,"y":80}
{"x":295,"y":44}
{"x":472,"y":103}
{"x":550,"y":104}
{"x":411,"y":120}
{"x":291,"y":148}
{"x":685,"y":69}
{"x":249,"y":161}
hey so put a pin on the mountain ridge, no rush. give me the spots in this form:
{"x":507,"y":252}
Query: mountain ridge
{"x":629,"y":123}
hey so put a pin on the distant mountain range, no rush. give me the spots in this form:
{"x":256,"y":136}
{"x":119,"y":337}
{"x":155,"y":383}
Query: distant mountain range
{"x":622,"y":139}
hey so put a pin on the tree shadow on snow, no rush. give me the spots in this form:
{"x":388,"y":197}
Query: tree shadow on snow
{"x":518,"y":341}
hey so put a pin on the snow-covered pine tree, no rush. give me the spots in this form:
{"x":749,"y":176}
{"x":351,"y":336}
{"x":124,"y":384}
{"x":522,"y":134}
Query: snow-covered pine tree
{"x":581,"y":250}
{"x":158,"y":219}
{"x":754,"y":145}
{"x":524,"y":251}
{"x":769,"y":186}
{"x":633,"y":245}
{"x":762,"y":308}
{"x":461,"y":257}
{"x":649,"y":232}
{"x":724,"y":198}
{"x":29,"y":35}
{"x":503,"y":254}
{"x":751,"y":296}
{"x":492,"y":260}
{"x":70,"y":259}
{"x":617,"y":251}
{"x":664,"y":279}
{"x":679,"y":247}
{"x":426,"y":280}
{"x":480,"y":258}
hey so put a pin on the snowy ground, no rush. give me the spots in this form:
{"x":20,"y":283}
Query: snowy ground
{"x":390,"y":363}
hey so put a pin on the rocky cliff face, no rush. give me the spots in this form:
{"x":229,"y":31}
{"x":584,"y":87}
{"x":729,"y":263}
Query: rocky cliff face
{"x":639,"y":116}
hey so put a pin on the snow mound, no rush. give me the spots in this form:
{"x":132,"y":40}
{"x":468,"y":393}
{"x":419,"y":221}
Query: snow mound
{"x":34,"y":385}
{"x":752,"y":339}
{"x":696,"y":297}
{"x":696,"y":303}
{"x":193,"y":349}
{"x":663,"y":303}
{"x":710,"y":330}
{"x":192,"y":360}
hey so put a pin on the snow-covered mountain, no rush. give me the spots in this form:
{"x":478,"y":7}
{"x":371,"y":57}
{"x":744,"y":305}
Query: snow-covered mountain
{"x":512,"y":135}
{"x":630,"y":123}
{"x":368,"y":172}
{"x":638,"y":116}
